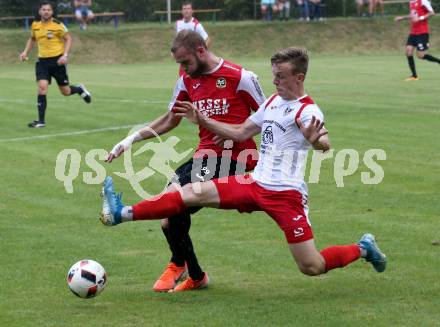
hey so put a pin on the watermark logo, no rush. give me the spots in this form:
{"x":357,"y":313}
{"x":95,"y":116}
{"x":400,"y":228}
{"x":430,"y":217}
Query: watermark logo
{"x":163,"y":153}
{"x":68,"y":163}
{"x":282,"y":167}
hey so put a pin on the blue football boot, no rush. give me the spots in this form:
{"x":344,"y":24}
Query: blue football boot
{"x":111,"y":204}
{"x":374,"y":255}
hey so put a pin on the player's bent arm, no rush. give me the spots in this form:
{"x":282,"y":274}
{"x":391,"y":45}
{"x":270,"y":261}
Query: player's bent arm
{"x":400,"y":18}
{"x":315,"y":133}
{"x":236,"y":133}
{"x":429,"y":14}
{"x":67,"y":44}
{"x":158,"y":126}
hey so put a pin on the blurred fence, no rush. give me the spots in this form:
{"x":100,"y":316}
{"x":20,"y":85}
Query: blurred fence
{"x":143,"y":10}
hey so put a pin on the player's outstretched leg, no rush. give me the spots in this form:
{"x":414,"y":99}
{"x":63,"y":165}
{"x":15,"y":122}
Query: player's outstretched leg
{"x":313,"y":263}
{"x":373,"y":254}
{"x":342,"y":255}
{"x":111,"y":204}
{"x":156,"y":207}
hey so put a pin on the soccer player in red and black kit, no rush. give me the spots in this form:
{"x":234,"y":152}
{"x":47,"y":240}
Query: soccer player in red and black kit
{"x":222,"y":91}
{"x":418,"y":39}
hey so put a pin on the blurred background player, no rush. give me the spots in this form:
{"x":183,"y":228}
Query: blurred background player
{"x":225,"y":92}
{"x":418,"y":39}
{"x":188,"y":22}
{"x":83,"y":13}
{"x":54,"y":44}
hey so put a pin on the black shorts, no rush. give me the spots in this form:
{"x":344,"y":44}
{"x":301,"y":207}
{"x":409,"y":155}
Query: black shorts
{"x":420,"y":41}
{"x":46,"y":68}
{"x":203,"y":169}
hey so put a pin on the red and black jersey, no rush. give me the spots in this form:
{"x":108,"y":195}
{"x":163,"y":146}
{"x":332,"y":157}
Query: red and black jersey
{"x":419,"y":8}
{"x":227,"y":94}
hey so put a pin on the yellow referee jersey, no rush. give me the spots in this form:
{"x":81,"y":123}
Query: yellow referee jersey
{"x":49,"y":37}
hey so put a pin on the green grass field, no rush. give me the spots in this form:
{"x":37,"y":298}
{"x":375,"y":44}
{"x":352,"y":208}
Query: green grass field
{"x":255,"y":282}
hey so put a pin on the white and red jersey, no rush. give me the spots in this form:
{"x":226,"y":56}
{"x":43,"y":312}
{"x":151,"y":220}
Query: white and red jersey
{"x":193,"y":25}
{"x":283,"y":149}
{"x":227,"y":94}
{"x":419,"y":8}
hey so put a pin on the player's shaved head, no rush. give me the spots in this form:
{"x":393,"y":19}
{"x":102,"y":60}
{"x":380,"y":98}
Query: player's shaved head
{"x":189,"y":40}
{"x":297,"y":57}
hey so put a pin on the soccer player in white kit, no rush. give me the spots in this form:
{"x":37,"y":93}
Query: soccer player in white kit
{"x":290,"y":123}
{"x":188,"y":22}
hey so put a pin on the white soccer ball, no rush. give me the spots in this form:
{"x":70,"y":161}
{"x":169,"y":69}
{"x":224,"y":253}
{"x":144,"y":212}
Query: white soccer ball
{"x":86,"y":278}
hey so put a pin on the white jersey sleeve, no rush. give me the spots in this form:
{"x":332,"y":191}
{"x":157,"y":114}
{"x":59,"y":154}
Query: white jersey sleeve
{"x":310,"y":111}
{"x":427,"y":5}
{"x":180,"y":93}
{"x":199,"y":29}
{"x":257,"y":117}
{"x":249,"y":84}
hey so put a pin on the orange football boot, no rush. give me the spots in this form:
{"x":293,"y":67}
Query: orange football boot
{"x":169,"y":278}
{"x":190,"y":285}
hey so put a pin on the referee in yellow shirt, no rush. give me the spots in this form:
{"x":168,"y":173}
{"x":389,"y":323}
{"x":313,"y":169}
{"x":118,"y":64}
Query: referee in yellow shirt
{"x":54,"y":43}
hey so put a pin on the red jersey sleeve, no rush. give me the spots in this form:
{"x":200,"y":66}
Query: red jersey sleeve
{"x":249,"y":90}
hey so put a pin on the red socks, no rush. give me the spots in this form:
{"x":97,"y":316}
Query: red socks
{"x":157,"y":207}
{"x":340,"y":255}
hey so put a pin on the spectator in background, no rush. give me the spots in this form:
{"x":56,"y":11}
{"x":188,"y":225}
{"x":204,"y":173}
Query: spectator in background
{"x":268,"y":8}
{"x":303,"y":6}
{"x":83,"y":13}
{"x":360,"y":4}
{"x":373,"y":7}
{"x":283,"y":7}
{"x":315,"y":9}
